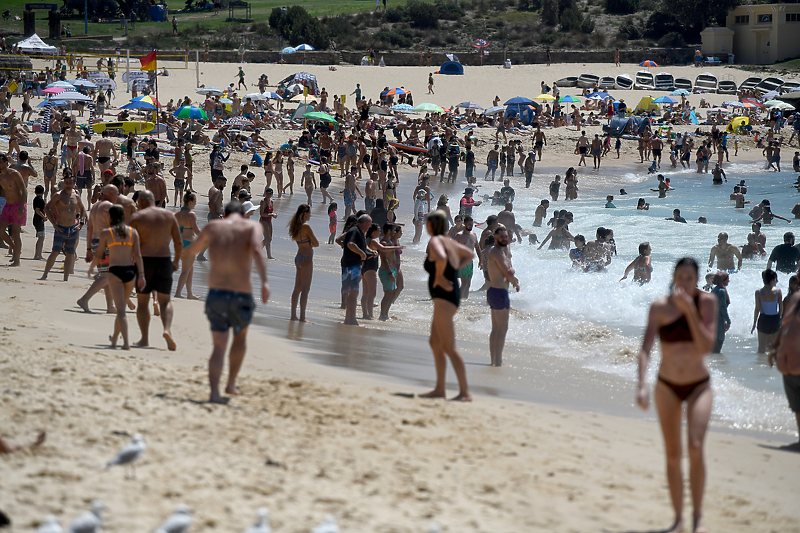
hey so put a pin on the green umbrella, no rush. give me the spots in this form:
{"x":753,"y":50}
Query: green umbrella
{"x":190,"y":112}
{"x":429,"y":108}
{"x":321,"y":116}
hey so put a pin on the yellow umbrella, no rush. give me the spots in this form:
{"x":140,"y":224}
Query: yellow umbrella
{"x":545,"y":97}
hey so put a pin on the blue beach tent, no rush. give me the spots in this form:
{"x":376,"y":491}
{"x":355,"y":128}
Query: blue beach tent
{"x":451,"y":67}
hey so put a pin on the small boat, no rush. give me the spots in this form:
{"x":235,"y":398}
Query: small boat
{"x":607,"y":83}
{"x":664,"y":81}
{"x":644,"y":81}
{"x":769,"y":84}
{"x":788,"y":86}
{"x":569,"y":81}
{"x":705,"y":83}
{"x":750,"y":83}
{"x":623,"y":82}
{"x":683,"y":83}
{"x":588,"y":81}
{"x":727,"y":87}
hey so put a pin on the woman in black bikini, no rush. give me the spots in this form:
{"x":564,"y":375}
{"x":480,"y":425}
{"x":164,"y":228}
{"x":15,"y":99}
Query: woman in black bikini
{"x":300,"y":231}
{"x":686,"y":321}
{"x":125,"y":261}
{"x":445,"y":257}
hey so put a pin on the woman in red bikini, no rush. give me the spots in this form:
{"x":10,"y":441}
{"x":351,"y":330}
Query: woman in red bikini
{"x":686,"y":322}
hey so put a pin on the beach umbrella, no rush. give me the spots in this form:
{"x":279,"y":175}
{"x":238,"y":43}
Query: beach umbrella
{"x":397,"y":91}
{"x":480,"y":43}
{"x":237,"y":121}
{"x":429,"y":108}
{"x":469,"y":105}
{"x":494,"y":110}
{"x":138,"y":104}
{"x":378,"y":110}
{"x":54,"y":90}
{"x":568,"y":99}
{"x":295,"y":88}
{"x":47,"y":101}
{"x":321,"y":116}
{"x":63,"y":85}
{"x":732,"y":103}
{"x":191,"y":112}
{"x":73,"y":96}
{"x":213,"y":91}
{"x":543,"y":97}
{"x":86,"y":84}
{"x":783,"y":106}
{"x":680,"y":92}
{"x":773,"y":103}
{"x":753,"y":103}
{"x":226,"y":101}
{"x":288,"y":50}
{"x":271,"y":96}
{"x":519,"y":100}
{"x":405,"y":108}
{"x":600,"y":94}
{"x":147,"y":98}
{"x":256,"y":97}
{"x":717,"y":110}
{"x":770,"y":95}
{"x":665,"y":100}
{"x":304,"y":48}
{"x":648,"y":64}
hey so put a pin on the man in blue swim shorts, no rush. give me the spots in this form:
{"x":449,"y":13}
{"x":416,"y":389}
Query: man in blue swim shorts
{"x":498,"y":265}
{"x":355,"y":252}
{"x":232,"y":245}
{"x":62,"y":211}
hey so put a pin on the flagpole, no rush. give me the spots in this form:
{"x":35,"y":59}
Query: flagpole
{"x":158,"y":132}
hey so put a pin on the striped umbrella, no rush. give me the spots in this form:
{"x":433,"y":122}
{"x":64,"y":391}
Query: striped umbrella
{"x":397,"y":91}
{"x":469,"y":105}
{"x":237,"y":121}
{"x":648,"y":64}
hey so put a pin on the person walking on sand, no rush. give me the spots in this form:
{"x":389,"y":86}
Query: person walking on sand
{"x":125,"y":266}
{"x":501,"y":274}
{"x":266,"y":212}
{"x":187,"y":225}
{"x":445,"y":257}
{"x":300,"y":231}
{"x":233,"y":245}
{"x":686,"y":322}
{"x":157,"y":227}
{"x":15,"y":211}
{"x":786,"y":354}
{"x":430,"y":78}
{"x":63,"y":209}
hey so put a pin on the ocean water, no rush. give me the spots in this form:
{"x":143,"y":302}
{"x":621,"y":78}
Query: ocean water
{"x":598,"y":320}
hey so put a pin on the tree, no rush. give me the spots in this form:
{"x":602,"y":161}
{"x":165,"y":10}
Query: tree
{"x":550,"y":12}
{"x":696,"y":16}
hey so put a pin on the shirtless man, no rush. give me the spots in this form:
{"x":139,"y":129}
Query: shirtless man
{"x":491,"y":161}
{"x":15,"y":211}
{"x":761,"y":238}
{"x":370,"y":194}
{"x":656,"y":145}
{"x":498,"y":266}
{"x":582,"y":146}
{"x":62,"y":210}
{"x":539,"y":140}
{"x":596,"y":253}
{"x":738,"y":197}
{"x":83,"y":170}
{"x":215,"y":199}
{"x":349,"y":191}
{"x":122,"y":199}
{"x":541,"y":213}
{"x":156,"y":184}
{"x":99,"y":220}
{"x":104,"y":152}
{"x":233,"y":245}
{"x":507,"y":219}
{"x":156,"y":227}
{"x":468,"y":238}
{"x":786,"y":353}
{"x":724,"y":253}
{"x":24,"y":168}
{"x":717,"y":175}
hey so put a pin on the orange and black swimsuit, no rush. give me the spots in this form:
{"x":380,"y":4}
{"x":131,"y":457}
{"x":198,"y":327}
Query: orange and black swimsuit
{"x":125,"y":273}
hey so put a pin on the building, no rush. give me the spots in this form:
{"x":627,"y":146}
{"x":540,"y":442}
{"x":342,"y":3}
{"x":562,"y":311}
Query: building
{"x":765,"y":33}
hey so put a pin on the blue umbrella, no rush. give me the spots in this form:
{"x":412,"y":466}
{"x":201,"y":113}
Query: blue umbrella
{"x":665,"y":100}
{"x":48,"y":102}
{"x":402,"y":107}
{"x":519,"y":100}
{"x":288,"y":50}
{"x":88,"y":84}
{"x":271,"y":95}
{"x":138,"y":104}
{"x":469,"y":105}
{"x":680,"y":92}
{"x":304,"y":47}
{"x":600,"y":95}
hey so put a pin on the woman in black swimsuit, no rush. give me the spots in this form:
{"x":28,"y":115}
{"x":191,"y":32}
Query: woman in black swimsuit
{"x":445,"y":257}
{"x":686,"y":321}
{"x":125,"y":263}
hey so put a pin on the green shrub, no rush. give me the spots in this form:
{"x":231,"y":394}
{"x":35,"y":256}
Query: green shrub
{"x":396,"y":14}
{"x":400,"y":39}
{"x":297,"y":26}
{"x":571,"y":19}
{"x":422,"y":15}
{"x":672,"y":40}
{"x":449,"y":10}
{"x":631,"y":29}
{"x":622,"y":7}
{"x":587,"y":25}
{"x":548,"y":38}
{"x":550,"y":13}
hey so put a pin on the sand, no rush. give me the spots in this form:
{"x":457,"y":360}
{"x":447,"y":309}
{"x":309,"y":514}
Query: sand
{"x":308,"y":439}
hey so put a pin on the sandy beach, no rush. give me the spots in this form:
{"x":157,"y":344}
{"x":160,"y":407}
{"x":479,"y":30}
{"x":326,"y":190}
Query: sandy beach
{"x":327,"y":421}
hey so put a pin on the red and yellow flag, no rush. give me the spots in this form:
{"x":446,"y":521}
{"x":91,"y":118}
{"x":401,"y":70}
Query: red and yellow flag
{"x":149,"y":61}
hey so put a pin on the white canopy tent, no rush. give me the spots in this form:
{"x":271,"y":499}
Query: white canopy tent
{"x":35,"y":45}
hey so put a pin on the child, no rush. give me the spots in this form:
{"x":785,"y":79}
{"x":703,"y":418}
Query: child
{"x":135,"y":171}
{"x":652,"y":169}
{"x":617,"y":146}
{"x":736,"y":145}
{"x":422,"y":162}
{"x":673,"y":159}
{"x":38,"y":220}
{"x":179,"y":171}
{"x":332,"y":221}
{"x":610,"y":202}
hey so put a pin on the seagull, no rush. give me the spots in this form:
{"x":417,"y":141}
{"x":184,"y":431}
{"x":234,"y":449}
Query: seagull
{"x":262,"y":522}
{"x":178,"y":522}
{"x":129,"y":454}
{"x":49,"y":525}
{"x":327,"y":526}
{"x":90,"y":521}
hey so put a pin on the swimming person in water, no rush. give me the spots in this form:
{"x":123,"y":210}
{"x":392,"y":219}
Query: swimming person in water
{"x":686,"y":322}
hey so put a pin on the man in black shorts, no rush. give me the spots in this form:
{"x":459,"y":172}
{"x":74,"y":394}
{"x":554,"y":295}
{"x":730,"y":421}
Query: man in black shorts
{"x":233,"y":245}
{"x":157,"y":227}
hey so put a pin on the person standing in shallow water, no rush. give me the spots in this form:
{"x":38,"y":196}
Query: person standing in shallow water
{"x":300,"y":231}
{"x":444,"y":258}
{"x":686,"y":323}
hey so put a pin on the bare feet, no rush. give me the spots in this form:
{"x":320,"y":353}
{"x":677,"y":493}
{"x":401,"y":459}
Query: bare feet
{"x":113,"y":340}
{"x":171,"y":346}
{"x":156,"y":310}
{"x":676,"y":527}
{"x":270,"y":257}
{"x":192,"y":297}
{"x":699,"y":526}
{"x":43,"y":278}
{"x":233,"y":391}
{"x":111,"y":311}
{"x":83,"y":305}
{"x":433,"y":394}
{"x":131,"y":305}
{"x":141,"y":343}
{"x":462,"y":398}
{"x":218,"y":399}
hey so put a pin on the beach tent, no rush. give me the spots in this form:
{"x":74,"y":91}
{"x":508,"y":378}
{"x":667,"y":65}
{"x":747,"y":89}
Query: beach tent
{"x":627,"y":126}
{"x":301,"y":110}
{"x":303,"y":78}
{"x":451,"y":67}
{"x":524,"y":111}
{"x":35,"y":45}
{"x":738,"y":125}
{"x":646,"y":104}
